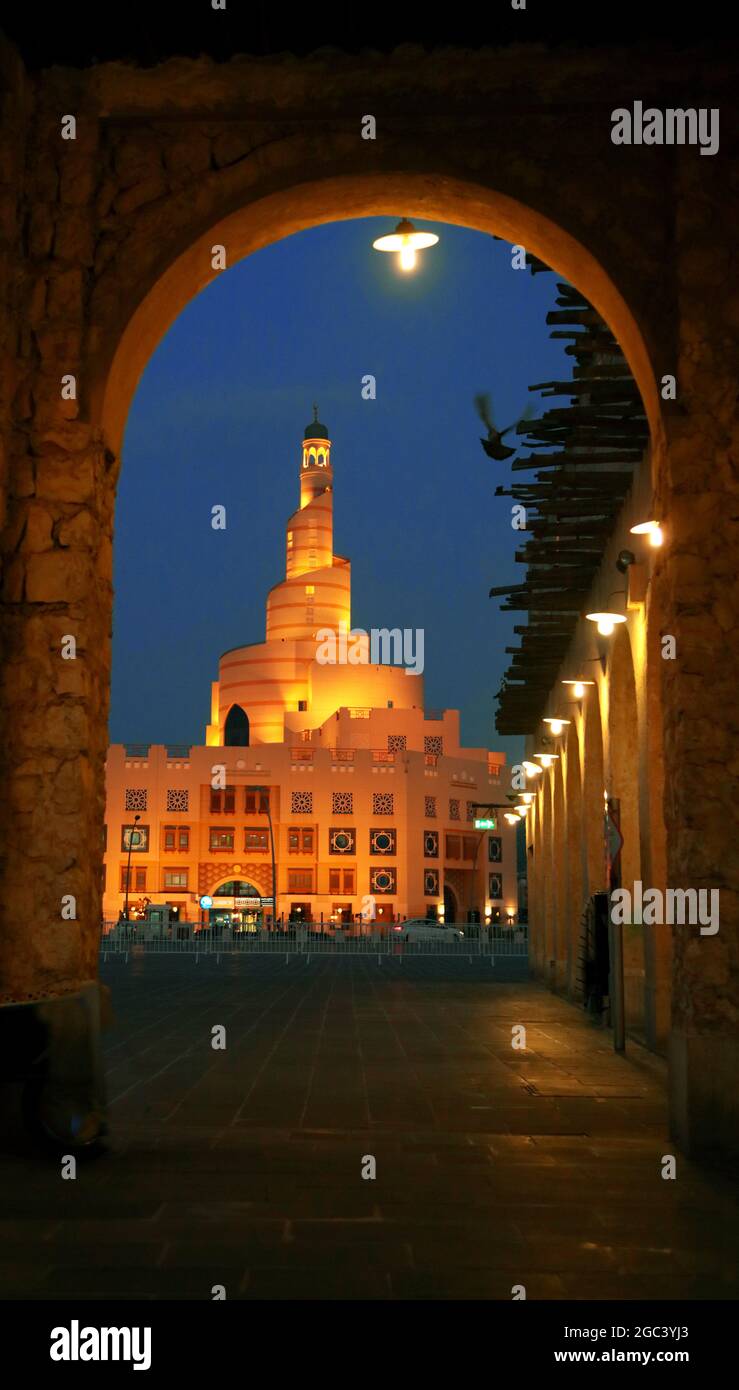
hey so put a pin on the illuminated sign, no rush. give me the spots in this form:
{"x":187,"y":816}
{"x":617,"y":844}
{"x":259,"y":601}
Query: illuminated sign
{"x":206,"y":901}
{"x":247,"y":902}
{"x":488,"y":824}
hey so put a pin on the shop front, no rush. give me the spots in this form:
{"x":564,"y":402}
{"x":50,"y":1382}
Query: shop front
{"x":235,"y":907}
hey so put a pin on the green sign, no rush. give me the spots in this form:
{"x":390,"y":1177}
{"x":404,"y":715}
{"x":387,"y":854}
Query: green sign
{"x":485,"y":824}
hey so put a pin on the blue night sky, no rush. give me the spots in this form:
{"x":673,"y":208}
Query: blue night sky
{"x":218,"y":417}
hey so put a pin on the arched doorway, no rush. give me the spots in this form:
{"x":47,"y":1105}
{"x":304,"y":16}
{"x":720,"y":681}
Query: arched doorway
{"x":236,"y":907}
{"x":450,"y":905}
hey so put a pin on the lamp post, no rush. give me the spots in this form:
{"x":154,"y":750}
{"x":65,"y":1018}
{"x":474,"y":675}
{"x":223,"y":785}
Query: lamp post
{"x":131,"y":834}
{"x":272,"y":847}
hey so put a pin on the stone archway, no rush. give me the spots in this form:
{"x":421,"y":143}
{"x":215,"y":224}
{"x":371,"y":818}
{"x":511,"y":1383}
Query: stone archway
{"x":113,"y":232}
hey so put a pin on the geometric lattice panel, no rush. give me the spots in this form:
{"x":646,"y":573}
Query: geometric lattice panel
{"x":432,"y":743}
{"x":471,"y":810}
{"x":431,"y":881}
{"x":431,"y":844}
{"x":396,"y":743}
{"x":382,"y":842}
{"x":301,"y":803}
{"x":135,"y":798}
{"x":496,"y":886}
{"x":495,"y":849}
{"x":342,"y":803}
{"x":178,"y":799}
{"x":430,"y":807}
{"x":453,"y":808}
{"x":382,"y":803}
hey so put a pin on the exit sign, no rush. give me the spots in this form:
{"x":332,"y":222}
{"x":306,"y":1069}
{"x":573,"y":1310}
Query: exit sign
{"x":484,"y":825}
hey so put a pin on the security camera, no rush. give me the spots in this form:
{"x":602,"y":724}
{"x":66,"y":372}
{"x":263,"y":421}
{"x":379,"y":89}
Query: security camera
{"x":625,"y":558}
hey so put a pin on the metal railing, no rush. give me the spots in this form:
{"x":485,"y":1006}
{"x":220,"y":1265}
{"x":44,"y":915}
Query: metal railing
{"x":138,"y":938}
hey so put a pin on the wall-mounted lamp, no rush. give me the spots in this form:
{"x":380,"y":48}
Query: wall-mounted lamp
{"x":556,"y":725}
{"x":406,"y":241}
{"x":546,"y":759}
{"x":578,"y":687}
{"x":652,"y":529}
{"x":531,"y":769}
{"x":606,"y":622}
{"x":511,"y":818}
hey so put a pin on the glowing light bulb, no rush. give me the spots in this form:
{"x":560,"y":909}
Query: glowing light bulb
{"x":652,"y":529}
{"x":579,"y":690}
{"x":407,"y":255}
{"x":606,"y":621}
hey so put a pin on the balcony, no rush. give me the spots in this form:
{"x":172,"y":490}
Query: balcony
{"x":301,"y":755}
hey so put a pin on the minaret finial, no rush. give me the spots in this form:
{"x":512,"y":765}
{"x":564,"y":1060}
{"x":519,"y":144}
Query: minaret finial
{"x":315,"y":411}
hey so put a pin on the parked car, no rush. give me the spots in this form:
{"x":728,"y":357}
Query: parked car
{"x":421,"y":930}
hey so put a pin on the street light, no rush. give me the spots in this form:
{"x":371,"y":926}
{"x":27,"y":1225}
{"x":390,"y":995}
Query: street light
{"x":133,"y":835}
{"x":272,"y":846}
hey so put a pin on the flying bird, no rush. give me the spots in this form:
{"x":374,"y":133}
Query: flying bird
{"x":493,"y":445}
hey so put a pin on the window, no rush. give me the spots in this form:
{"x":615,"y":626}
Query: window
{"x":383,"y":881}
{"x":183,"y":837}
{"x":223,"y":801}
{"x":302,"y":706}
{"x":310,"y":588}
{"x":299,"y":881}
{"x":470,"y":847}
{"x":236,"y":728}
{"x":342,"y":841}
{"x":133,"y":879}
{"x":382,"y":842}
{"x":175,"y":878}
{"x":300,"y":841}
{"x":251,"y":807}
{"x":221,"y":839}
{"x":341,"y":881}
{"x":170,"y":837}
{"x":136,"y":837}
{"x":453,"y":847}
{"x":256,"y":839}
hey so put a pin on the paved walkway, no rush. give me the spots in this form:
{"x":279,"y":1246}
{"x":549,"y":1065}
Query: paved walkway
{"x":242,"y":1167}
